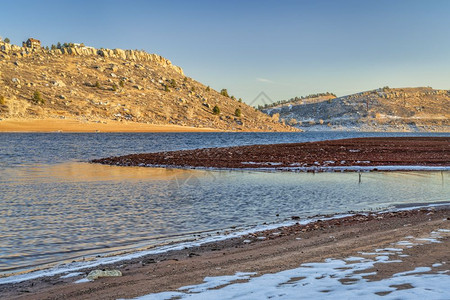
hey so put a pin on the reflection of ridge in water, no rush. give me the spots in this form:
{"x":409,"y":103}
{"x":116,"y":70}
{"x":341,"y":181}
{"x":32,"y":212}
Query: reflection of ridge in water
{"x":86,"y":172}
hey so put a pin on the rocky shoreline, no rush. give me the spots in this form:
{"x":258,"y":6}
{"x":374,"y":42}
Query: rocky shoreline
{"x":338,"y":155}
{"x":265,"y":251}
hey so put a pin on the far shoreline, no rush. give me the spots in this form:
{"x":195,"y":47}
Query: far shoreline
{"x":53,"y":125}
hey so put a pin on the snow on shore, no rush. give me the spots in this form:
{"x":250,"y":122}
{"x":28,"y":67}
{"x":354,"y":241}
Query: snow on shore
{"x":331,"y":279}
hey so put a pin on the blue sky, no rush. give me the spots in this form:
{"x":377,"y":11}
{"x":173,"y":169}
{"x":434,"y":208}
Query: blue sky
{"x":284,"y":48}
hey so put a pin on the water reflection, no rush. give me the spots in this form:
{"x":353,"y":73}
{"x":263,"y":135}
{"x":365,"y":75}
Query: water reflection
{"x":86,"y":172}
{"x":53,"y":208}
{"x":63,"y":211}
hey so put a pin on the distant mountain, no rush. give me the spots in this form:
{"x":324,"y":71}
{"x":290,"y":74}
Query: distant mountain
{"x":383,"y":109}
{"x":99,"y":85}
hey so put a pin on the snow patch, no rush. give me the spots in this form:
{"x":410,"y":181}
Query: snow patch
{"x":71,"y":275}
{"x":82,"y":280}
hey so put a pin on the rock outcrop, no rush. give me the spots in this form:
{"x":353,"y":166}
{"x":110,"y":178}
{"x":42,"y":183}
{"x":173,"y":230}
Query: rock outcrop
{"x":391,"y":109}
{"x":128,"y":55}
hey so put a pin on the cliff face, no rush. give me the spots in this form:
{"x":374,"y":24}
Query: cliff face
{"x":129,"y":55}
{"x":403,"y":109}
{"x":100,"y":85}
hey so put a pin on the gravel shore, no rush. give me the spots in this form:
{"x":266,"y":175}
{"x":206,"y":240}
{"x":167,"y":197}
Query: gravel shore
{"x":311,"y":156}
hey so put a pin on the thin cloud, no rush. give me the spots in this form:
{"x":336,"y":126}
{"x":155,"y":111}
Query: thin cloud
{"x":264,"y":80}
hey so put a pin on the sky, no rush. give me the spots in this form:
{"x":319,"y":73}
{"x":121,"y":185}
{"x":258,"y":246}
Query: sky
{"x":282,"y":48}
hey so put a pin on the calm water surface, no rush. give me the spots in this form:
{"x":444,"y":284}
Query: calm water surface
{"x":54,"y":206}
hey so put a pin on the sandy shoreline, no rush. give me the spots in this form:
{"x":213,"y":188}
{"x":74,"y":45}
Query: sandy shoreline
{"x":72,"y":125}
{"x":345,"y":154}
{"x":264,"y":252}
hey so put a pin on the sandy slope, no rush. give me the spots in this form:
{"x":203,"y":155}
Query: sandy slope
{"x":72,"y":125}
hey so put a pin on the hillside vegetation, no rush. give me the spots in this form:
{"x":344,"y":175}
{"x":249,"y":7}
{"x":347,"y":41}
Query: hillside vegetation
{"x":99,"y":85}
{"x":390,"y":109}
{"x":313,"y":98}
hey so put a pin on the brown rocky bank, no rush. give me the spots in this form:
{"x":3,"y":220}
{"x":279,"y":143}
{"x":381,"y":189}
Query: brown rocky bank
{"x":381,"y":151}
{"x":85,"y":84}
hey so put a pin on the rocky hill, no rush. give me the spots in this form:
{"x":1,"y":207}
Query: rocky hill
{"x":313,"y":98}
{"x":100,"y":85}
{"x":383,"y":109}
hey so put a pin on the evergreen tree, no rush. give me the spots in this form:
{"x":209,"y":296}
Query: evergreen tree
{"x":224,"y":92}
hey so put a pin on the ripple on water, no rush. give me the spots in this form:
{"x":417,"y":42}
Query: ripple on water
{"x":62,"y":209}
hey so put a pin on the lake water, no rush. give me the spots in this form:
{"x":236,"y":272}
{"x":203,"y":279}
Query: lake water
{"x":54,"y":206}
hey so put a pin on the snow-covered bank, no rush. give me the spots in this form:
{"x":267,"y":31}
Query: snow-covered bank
{"x":331,"y":279}
{"x":274,"y":167}
{"x":347,"y":168}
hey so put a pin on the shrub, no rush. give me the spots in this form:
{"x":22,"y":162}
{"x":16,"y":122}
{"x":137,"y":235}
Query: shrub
{"x":166,"y":88}
{"x":121,"y":83}
{"x":216,"y":110}
{"x":208,"y":88}
{"x":58,"y":45}
{"x":114,"y":87}
{"x":37,"y":98}
{"x":2,"y":100}
{"x":97,"y":84}
{"x":173,"y":83}
{"x":7,"y":40}
{"x":238,"y":112}
{"x":53,"y":47}
{"x":224,"y":92}
{"x":193,"y":88}
{"x":240,"y":100}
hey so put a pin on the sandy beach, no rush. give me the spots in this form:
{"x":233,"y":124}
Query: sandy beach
{"x":312,"y":156}
{"x":265,"y":252}
{"x":72,"y":125}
